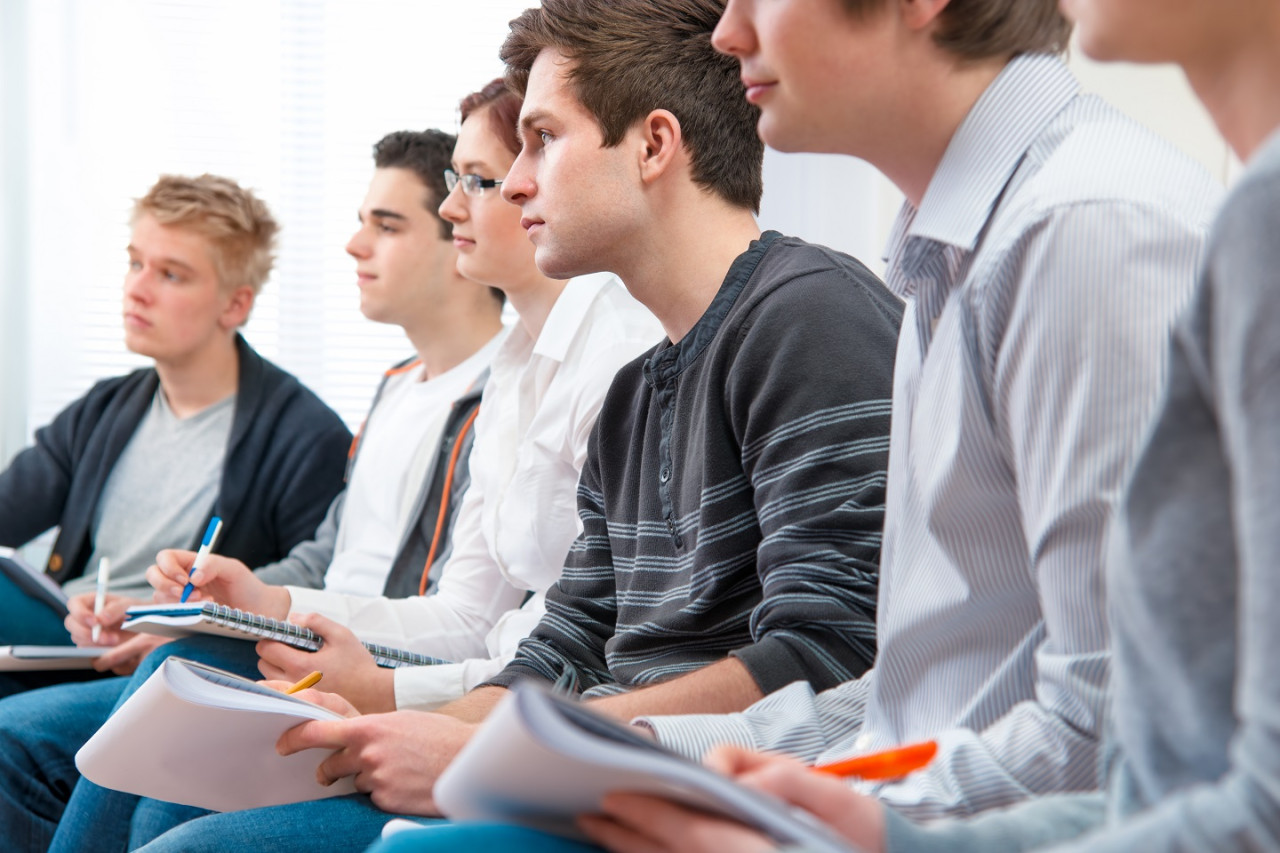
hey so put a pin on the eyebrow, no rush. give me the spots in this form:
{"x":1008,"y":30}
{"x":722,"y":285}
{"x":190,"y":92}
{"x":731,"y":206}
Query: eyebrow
{"x":173,"y":262}
{"x":386,"y":214}
{"x":472,"y":165}
{"x":534,"y":117}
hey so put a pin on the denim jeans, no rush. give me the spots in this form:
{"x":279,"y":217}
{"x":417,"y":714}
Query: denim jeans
{"x":97,"y":818}
{"x":335,"y":825}
{"x":479,"y":838}
{"x":40,"y":732}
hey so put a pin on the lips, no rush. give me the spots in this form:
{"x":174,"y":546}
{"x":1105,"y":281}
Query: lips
{"x":136,"y":321}
{"x":528,"y":223}
{"x":757,"y":89}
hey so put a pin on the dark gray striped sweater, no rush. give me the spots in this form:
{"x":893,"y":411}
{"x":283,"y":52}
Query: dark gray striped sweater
{"x":732,"y":498}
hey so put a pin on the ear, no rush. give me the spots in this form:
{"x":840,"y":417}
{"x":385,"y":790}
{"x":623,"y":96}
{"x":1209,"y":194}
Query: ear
{"x":920,"y":14}
{"x":239,"y":304}
{"x":661,"y":142}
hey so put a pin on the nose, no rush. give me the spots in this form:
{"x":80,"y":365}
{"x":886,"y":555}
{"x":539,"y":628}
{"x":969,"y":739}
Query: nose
{"x":137,"y":284}
{"x":358,"y":245}
{"x":454,"y":207}
{"x":733,"y":34}
{"x":518,"y":186}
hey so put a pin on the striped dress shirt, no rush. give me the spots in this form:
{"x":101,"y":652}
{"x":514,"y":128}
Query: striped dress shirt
{"x":1043,"y":270}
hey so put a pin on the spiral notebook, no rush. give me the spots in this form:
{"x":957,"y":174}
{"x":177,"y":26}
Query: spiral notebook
{"x":183,"y":620}
{"x":198,"y":736}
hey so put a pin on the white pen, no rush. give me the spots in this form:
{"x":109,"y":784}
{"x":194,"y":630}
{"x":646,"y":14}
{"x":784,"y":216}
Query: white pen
{"x":100,"y":597}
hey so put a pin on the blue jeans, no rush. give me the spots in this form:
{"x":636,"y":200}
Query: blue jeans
{"x":338,"y":824}
{"x":40,"y":732}
{"x":479,"y":838}
{"x":97,"y":818}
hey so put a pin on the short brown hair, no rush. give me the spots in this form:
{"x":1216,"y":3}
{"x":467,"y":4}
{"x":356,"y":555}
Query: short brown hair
{"x":630,"y":57}
{"x":237,"y":224}
{"x":981,"y":29}
{"x":426,"y":153}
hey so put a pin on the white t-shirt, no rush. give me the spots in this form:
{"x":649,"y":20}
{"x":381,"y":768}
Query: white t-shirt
{"x":397,"y":444}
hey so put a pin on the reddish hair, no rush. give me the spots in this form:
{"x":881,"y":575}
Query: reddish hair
{"x":503,"y":106}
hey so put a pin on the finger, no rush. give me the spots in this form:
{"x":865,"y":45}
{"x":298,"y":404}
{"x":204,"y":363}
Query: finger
{"x":314,"y":734}
{"x":337,"y":766}
{"x":325,"y":627}
{"x":615,"y":836}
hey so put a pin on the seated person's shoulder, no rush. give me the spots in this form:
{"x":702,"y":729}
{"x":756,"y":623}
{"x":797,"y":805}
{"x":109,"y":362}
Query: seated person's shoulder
{"x":802,"y":281}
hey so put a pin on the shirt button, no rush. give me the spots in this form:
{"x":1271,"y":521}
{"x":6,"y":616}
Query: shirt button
{"x":664,"y":475}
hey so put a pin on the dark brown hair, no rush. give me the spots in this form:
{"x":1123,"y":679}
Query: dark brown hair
{"x":426,"y":153}
{"x":630,"y":57}
{"x":982,"y":29}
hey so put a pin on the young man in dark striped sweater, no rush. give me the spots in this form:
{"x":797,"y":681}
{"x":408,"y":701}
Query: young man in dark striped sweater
{"x":733,"y":491}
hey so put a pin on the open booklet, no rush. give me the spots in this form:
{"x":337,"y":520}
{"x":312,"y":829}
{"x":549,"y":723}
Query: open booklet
{"x":183,"y":620}
{"x":542,"y":760}
{"x":199,"y":736}
{"x":38,"y":658}
{"x":34,"y":583}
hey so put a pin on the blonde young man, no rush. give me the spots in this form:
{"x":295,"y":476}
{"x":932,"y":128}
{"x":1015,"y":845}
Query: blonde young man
{"x":253,"y":445}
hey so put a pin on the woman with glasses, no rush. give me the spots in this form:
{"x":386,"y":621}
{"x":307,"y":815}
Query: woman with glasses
{"x":516,"y":523}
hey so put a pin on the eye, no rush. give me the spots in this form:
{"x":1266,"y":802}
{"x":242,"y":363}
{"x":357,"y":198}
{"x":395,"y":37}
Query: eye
{"x":384,"y":228}
{"x":135,"y":266}
{"x":545,"y":137}
{"x":170,"y":275}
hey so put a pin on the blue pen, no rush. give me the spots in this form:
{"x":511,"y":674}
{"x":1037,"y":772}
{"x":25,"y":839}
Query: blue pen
{"x":206,"y":545}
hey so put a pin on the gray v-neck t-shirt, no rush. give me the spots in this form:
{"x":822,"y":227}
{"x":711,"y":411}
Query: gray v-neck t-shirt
{"x":159,"y":494}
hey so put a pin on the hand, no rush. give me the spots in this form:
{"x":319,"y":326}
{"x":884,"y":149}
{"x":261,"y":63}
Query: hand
{"x":220,"y":579}
{"x":332,"y":701}
{"x":395,"y":758}
{"x":855,"y":816}
{"x":632,"y":823}
{"x":125,"y":657}
{"x":80,"y":619}
{"x":347,"y":665}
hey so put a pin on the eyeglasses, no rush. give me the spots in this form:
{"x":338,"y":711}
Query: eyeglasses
{"x":472,"y":185}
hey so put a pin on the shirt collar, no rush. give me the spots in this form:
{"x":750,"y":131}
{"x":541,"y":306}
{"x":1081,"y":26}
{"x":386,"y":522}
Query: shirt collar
{"x":568,"y":313}
{"x":988,"y":146}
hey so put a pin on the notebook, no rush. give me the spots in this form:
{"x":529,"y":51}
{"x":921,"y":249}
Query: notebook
{"x":44,"y":658}
{"x":198,"y":736}
{"x":541,"y":760}
{"x":34,"y":583}
{"x":183,"y":620}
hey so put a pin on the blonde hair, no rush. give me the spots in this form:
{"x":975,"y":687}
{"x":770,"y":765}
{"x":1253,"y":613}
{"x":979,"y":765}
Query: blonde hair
{"x":238,"y":225}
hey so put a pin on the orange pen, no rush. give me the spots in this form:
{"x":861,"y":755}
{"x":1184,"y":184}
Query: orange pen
{"x":890,"y":764}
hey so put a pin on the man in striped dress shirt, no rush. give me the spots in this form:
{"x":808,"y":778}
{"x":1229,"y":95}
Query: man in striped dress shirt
{"x":1046,"y":246}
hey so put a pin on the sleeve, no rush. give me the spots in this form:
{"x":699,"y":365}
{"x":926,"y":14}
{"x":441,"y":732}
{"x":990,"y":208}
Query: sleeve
{"x":1027,"y":826}
{"x":1240,"y":810}
{"x":306,"y":564}
{"x":450,"y":624}
{"x":428,"y":687}
{"x":35,"y":485}
{"x":318,"y":468}
{"x":808,"y":397}
{"x":569,"y":641}
{"x":1077,"y":374}
{"x":792,"y":720}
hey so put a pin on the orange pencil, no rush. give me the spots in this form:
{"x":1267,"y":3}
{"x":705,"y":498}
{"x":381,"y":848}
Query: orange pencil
{"x":890,"y":764}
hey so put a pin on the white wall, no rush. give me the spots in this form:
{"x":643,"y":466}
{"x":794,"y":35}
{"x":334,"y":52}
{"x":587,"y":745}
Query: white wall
{"x":846,"y":204}
{"x":13,"y":229}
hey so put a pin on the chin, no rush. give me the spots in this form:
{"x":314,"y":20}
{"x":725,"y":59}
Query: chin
{"x":558,"y":266}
